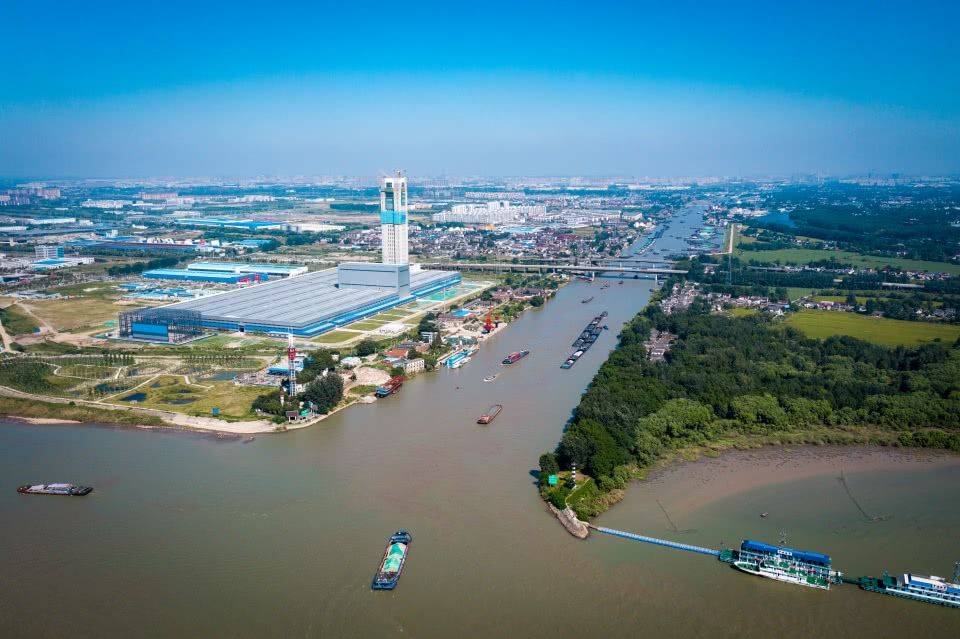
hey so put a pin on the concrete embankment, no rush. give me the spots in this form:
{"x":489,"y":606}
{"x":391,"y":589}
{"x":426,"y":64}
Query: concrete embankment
{"x":568,"y":518}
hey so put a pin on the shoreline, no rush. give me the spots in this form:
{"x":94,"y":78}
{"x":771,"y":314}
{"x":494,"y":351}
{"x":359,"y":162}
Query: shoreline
{"x":691,"y":484}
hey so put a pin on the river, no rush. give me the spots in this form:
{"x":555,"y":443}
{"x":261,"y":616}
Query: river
{"x":188,"y":536}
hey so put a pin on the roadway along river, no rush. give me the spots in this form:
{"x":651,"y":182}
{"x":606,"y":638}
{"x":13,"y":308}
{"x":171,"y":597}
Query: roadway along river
{"x":186,"y":536}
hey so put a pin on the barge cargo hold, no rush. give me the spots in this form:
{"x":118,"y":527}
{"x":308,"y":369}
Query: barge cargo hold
{"x":392,"y":386}
{"x":935,"y":590}
{"x":490,"y":415}
{"x":55,"y":489}
{"x":394,"y":557}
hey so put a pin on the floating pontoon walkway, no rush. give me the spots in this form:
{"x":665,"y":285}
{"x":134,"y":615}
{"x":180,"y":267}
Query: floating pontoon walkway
{"x":658,"y":542}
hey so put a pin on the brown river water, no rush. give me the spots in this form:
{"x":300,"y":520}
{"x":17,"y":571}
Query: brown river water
{"x":187,"y":536}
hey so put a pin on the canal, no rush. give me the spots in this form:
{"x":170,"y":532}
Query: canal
{"x":188,"y":536}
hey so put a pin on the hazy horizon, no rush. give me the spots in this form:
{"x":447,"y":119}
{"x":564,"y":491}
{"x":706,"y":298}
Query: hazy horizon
{"x":630,"y":90}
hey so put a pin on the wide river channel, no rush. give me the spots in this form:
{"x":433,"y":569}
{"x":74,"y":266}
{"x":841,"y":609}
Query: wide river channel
{"x":188,"y":536}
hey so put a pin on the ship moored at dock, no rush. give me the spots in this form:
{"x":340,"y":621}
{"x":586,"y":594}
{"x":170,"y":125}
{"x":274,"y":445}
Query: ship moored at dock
{"x":800,"y":567}
{"x":932,"y":589}
{"x":394,"y":557}
{"x":390,"y":387}
{"x":69,"y":490}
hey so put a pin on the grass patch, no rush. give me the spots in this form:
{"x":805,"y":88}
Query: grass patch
{"x":743,"y":312}
{"x":80,"y":413}
{"x":170,"y":393}
{"x":72,"y":314}
{"x":335,"y":337}
{"x":17,"y":321}
{"x":879,"y":330}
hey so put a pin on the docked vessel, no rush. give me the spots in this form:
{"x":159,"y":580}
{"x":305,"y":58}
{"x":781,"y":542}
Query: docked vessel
{"x":392,"y":386}
{"x":800,"y":567}
{"x":55,"y":489}
{"x":514,"y":357}
{"x":935,"y":590}
{"x":490,"y":415}
{"x":394,"y":557}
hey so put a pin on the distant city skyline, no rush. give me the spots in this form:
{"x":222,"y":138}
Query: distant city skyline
{"x":746,"y":89}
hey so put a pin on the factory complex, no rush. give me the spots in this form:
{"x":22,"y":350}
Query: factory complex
{"x":301,"y":304}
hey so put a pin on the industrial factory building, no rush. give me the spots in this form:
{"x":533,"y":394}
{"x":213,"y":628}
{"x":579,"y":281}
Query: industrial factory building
{"x":226,"y":272}
{"x":309,"y":304}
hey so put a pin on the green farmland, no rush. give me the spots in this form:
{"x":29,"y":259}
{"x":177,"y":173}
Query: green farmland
{"x":879,"y":330}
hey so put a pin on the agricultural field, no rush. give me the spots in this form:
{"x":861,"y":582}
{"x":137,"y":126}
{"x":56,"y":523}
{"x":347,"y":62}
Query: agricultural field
{"x":805,"y":256}
{"x":879,"y":330}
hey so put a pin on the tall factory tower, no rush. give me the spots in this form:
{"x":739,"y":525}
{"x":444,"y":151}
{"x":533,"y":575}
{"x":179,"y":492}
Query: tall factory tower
{"x":393,"y":219}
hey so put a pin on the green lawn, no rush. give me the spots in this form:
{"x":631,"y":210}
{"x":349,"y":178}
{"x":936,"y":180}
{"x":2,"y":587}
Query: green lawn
{"x":743,"y":312}
{"x":335,"y":337}
{"x":805,"y":256}
{"x":880,"y":330}
{"x":16,"y":321}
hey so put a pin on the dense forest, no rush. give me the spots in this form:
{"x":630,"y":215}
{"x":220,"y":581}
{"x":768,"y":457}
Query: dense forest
{"x":729,"y":380}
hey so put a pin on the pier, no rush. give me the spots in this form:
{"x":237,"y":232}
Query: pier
{"x":700,"y":550}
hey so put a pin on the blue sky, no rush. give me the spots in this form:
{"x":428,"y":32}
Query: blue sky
{"x":738,"y":88}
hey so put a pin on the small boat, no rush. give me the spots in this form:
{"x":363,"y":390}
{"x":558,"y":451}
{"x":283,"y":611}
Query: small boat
{"x":388,"y":574}
{"x":490,"y":415}
{"x":763,"y":515}
{"x":567,"y":364}
{"x":55,"y":489}
{"x":490,"y":378}
{"x":249,"y":439}
{"x":586,"y":300}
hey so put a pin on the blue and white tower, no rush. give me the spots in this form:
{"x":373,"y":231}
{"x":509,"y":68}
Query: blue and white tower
{"x":393,"y":219}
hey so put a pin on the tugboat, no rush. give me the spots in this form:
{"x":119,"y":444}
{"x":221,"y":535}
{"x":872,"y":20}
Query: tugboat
{"x":490,"y":415}
{"x":388,"y":574}
{"x":55,"y":489}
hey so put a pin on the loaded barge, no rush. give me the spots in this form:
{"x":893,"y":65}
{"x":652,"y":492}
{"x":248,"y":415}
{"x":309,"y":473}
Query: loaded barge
{"x":514,"y":357}
{"x":391,"y":387}
{"x":586,"y":339}
{"x":490,"y":415}
{"x":55,"y":489}
{"x":388,"y":574}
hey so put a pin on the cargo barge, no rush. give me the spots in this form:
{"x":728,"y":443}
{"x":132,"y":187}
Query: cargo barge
{"x":69,"y":490}
{"x":514,"y":357}
{"x":391,"y":387}
{"x":585,"y":340}
{"x":799,"y":567}
{"x":932,"y":589}
{"x":490,"y":415}
{"x":394,"y":557}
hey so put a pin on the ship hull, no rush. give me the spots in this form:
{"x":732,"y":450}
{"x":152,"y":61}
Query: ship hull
{"x":778,"y":574}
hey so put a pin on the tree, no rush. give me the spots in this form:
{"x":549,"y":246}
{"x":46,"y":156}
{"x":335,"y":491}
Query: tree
{"x":325,"y":392}
{"x":548,"y":466}
{"x":366,"y":347}
{"x":536,"y":301}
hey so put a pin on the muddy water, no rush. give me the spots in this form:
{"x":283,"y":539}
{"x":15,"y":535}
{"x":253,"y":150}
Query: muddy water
{"x":188,"y":536}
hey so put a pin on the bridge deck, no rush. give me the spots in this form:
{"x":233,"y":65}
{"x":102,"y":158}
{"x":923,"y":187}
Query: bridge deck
{"x":658,"y":542}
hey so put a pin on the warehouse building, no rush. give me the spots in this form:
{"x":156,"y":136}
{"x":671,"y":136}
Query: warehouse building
{"x":304,"y":306}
